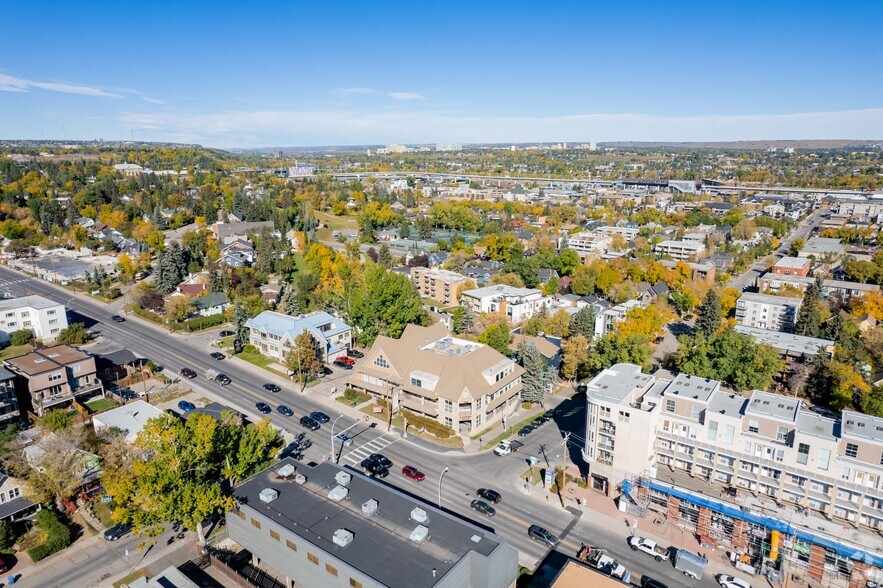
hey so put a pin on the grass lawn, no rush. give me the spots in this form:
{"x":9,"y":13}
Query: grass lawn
{"x":100,"y":404}
{"x":140,"y":573}
{"x":508,"y":432}
{"x":337,"y":223}
{"x":255,"y":358}
{"x":15,"y":351}
{"x":102,"y":511}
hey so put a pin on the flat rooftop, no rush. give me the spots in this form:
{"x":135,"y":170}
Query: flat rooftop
{"x":785,"y":342}
{"x":37,"y":302}
{"x":381,"y":547}
{"x":810,"y":423}
{"x":726,"y":404}
{"x":692,"y":387}
{"x":452,"y":346}
{"x":618,"y":382}
{"x":773,"y":405}
{"x":864,"y":426}
{"x":792,"y":262}
{"x":768,"y":299}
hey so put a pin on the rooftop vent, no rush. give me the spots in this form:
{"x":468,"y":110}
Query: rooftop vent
{"x":343,"y":478}
{"x":369,"y":508}
{"x":286,"y":471}
{"x":419,"y":515}
{"x":338,"y":493}
{"x":342,"y":537}
{"x":419,"y":534}
{"x":268,"y":495}
{"x":476,"y":538}
{"x":300,"y":479}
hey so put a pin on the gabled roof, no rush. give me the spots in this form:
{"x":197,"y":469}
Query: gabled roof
{"x":211,"y":300}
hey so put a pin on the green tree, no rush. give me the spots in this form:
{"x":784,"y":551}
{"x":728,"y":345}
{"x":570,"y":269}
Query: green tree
{"x":56,"y":419}
{"x":709,"y":315}
{"x":21,"y":337}
{"x":464,"y":320}
{"x":290,"y":302}
{"x":240,"y":330}
{"x":7,"y":535}
{"x":536,"y":372}
{"x":303,"y":359}
{"x":567,"y":262}
{"x":584,"y":281}
{"x":583,"y":323}
{"x":729,"y":356}
{"x":497,"y":336}
{"x":872,"y":402}
{"x":809,"y":317}
{"x":384,"y":257}
{"x":795,"y":247}
{"x":74,"y":334}
{"x":424,"y":228}
{"x":384,"y":304}
{"x":405,"y":230}
{"x":612,"y":349}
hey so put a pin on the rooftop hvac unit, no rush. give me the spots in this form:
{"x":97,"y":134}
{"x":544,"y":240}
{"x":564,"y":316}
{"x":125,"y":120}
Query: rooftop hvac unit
{"x":369,"y":509}
{"x":419,"y":534}
{"x":342,"y":537}
{"x":286,"y":471}
{"x":419,"y":515}
{"x":338,"y":493}
{"x":300,"y":479}
{"x":268,"y":495}
{"x":343,"y":478}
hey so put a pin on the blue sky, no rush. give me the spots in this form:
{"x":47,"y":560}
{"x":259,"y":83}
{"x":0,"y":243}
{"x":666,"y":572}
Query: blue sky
{"x":237,"y":74}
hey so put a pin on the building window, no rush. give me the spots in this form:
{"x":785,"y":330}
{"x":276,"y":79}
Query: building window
{"x":256,"y":524}
{"x":416,"y":382}
{"x":381,"y":362}
{"x":331,"y":569}
{"x":670,"y":405}
{"x":290,"y":544}
{"x":53,"y":321}
{"x":49,"y":312}
{"x":802,"y":453}
{"x":313,"y":558}
{"x":624,"y":416}
{"x":729,"y":433}
{"x":851,"y":450}
{"x":449,"y":423}
{"x":782,"y":434}
{"x":753,"y":426}
{"x":449,"y":406}
{"x":274,"y":534}
{"x":355,"y":584}
{"x":239,"y":514}
{"x":712,"y":430}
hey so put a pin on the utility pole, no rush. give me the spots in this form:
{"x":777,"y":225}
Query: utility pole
{"x":563,"y":485}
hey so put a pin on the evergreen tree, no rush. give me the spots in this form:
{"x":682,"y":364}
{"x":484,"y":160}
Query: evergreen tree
{"x":809,"y":318}
{"x":167,"y":277}
{"x":466,"y":322}
{"x":583,"y":323}
{"x":424,"y":228}
{"x":384,"y":257}
{"x":290,"y":304}
{"x":709,"y":315}
{"x":214,"y":278}
{"x":536,"y":372}
{"x":404,"y":230}
{"x":240,"y":333}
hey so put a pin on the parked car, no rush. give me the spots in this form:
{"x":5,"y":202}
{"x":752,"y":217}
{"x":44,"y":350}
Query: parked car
{"x":490,"y":495}
{"x":320,"y":416}
{"x":539,"y":534}
{"x":537,"y":422}
{"x":226,"y":334}
{"x":346,"y":359}
{"x":649,"y":547}
{"x":188,"y":373}
{"x":263,"y":407}
{"x":355,"y":353}
{"x":284,"y":410}
{"x":344,"y":439}
{"x":727,"y":581}
{"x":272,"y":388}
{"x":117,"y":319}
{"x":217,"y":355}
{"x":525,"y":431}
{"x":185,"y":406}
{"x":128,"y":395}
{"x":483,"y":507}
{"x":4,"y":567}
{"x":117,"y":531}
{"x":648,"y":582}
{"x":413,"y":473}
{"x":309,"y":423}
{"x":343,"y":364}
{"x":381,"y":459}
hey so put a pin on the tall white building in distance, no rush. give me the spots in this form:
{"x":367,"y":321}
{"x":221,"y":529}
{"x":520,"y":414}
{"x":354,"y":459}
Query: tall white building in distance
{"x":45,"y":318}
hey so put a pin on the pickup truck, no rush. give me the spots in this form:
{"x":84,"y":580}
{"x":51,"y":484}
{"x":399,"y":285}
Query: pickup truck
{"x":690,"y":564}
{"x":506,"y":447}
{"x":602,"y":562}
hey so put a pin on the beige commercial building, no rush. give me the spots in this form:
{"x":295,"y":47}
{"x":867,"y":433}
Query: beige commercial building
{"x":464,"y":385}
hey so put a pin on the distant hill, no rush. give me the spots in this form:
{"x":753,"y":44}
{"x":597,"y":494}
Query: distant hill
{"x":748,"y":145}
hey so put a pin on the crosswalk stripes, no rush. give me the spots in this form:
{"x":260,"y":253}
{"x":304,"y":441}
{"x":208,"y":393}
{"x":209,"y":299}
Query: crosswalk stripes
{"x":373,"y":446}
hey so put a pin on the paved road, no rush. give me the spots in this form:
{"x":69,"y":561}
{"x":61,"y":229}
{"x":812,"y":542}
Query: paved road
{"x":466,"y":472}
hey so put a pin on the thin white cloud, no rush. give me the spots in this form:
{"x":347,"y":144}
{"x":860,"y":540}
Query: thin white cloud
{"x":405,"y":96}
{"x":154,"y":100}
{"x":13,"y":84}
{"x":330,"y":127}
{"x":356,"y":91}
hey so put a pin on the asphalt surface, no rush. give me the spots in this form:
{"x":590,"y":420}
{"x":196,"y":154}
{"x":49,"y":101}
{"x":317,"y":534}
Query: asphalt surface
{"x":466,"y":473}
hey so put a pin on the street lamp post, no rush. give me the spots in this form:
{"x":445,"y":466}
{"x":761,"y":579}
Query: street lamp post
{"x":440,"y":478}
{"x":332,"y":437}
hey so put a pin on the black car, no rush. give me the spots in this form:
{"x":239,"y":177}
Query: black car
{"x":117,"y":531}
{"x":225,"y":334}
{"x":320,"y":416}
{"x":309,"y":423}
{"x":272,"y":387}
{"x":354,"y":353}
{"x":483,"y":507}
{"x":375,"y":467}
{"x":525,"y":431}
{"x":537,"y":533}
{"x":222,"y":379}
{"x":263,"y":407}
{"x":216,"y":355}
{"x":550,"y":414}
{"x":648,"y":582}
{"x":537,"y":422}
{"x":343,"y":364}
{"x":491,"y":496}
{"x":117,"y":319}
{"x":381,"y":473}
{"x":284,"y":410}
{"x":381,"y":459}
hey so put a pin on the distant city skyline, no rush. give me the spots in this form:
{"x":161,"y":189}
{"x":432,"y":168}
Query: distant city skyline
{"x":228,"y":75}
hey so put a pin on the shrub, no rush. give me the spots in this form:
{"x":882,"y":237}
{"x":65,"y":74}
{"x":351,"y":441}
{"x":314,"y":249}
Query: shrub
{"x":75,"y":334}
{"x":355,"y":396}
{"x":7,"y":535}
{"x":22,"y":337}
{"x":58,"y":535}
{"x":204,"y":322}
{"x":56,"y":420}
{"x":431,"y":425}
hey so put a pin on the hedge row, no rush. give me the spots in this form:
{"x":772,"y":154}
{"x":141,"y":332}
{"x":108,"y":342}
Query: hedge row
{"x":58,"y":535}
{"x":204,"y":322}
{"x":431,"y":425}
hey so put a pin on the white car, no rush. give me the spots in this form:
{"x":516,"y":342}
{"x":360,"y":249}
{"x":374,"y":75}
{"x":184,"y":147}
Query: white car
{"x":727,"y":581}
{"x":344,"y":438}
{"x":649,"y":547}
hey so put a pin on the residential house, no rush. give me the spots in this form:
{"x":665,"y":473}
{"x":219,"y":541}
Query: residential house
{"x":790,"y":347}
{"x":770,"y":283}
{"x":129,"y":419}
{"x":13,"y":505}
{"x":548,"y":346}
{"x":518,"y":304}
{"x":53,"y":377}
{"x":822,"y":247}
{"x":87,"y":465}
{"x":465,"y":386}
{"x":683,"y":249}
{"x":223,"y":232}
{"x":45,"y":318}
{"x":648,"y":293}
{"x":274,"y":333}
{"x":211,"y":304}
{"x":8,"y":398}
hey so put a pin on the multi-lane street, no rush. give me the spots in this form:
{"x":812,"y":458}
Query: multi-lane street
{"x":466,"y":473}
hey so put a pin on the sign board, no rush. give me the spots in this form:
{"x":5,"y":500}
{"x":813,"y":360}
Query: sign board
{"x":395,"y":401}
{"x":377,"y":409}
{"x":532,"y":460}
{"x":549,"y":473}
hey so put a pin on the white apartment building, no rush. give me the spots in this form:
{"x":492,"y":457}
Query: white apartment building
{"x":628,"y":232}
{"x":46,"y":318}
{"x":587,"y":243}
{"x":518,"y":304}
{"x":683,"y":249}
{"x":639,"y":425}
{"x":763,"y":311}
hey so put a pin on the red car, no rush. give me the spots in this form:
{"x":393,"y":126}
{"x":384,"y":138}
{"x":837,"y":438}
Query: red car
{"x":188,"y":373}
{"x":346,"y":359}
{"x":413,"y":473}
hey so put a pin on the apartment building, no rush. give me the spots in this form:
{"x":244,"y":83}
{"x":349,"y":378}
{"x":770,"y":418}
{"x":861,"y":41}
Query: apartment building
{"x":764,"y":311}
{"x":792,"y":266}
{"x":273,"y":333}
{"x":465,"y":386}
{"x":324,"y":525}
{"x":46,"y":318}
{"x":684,"y":249}
{"x":587,"y":243}
{"x":770,"y":283}
{"x":438,"y":284}
{"x":54,"y":377}
{"x":789,"y":345}
{"x":518,"y":304}
{"x":639,"y":427}
{"x":628,"y":232}
{"x":8,"y":398}
{"x":819,"y":247}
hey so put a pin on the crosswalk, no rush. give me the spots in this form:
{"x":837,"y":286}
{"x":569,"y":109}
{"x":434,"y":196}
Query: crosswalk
{"x":375,"y":445}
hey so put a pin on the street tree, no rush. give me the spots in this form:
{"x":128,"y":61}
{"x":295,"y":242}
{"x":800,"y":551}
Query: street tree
{"x":574,"y":357}
{"x":709,"y":315}
{"x":303,"y":359}
{"x":240,"y":330}
{"x":536,"y":372}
